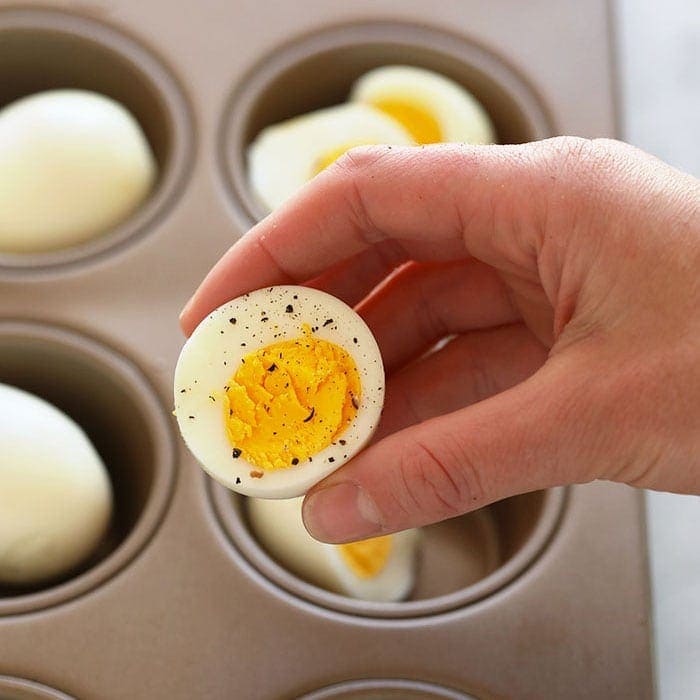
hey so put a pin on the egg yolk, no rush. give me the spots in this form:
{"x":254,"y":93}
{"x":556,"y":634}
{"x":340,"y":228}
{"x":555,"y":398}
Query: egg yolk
{"x":329,"y":157}
{"x":420,"y":123}
{"x":367,"y":557}
{"x":290,"y":400}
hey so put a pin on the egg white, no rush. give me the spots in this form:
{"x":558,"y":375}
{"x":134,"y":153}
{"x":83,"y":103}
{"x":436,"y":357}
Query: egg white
{"x":213,"y":353}
{"x":55,"y":494}
{"x":284,"y":156}
{"x":73,"y":164}
{"x":460,"y":116}
{"x":279,"y":528}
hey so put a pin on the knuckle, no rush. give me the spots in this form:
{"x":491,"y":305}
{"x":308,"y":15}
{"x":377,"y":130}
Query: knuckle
{"x":357,"y":160}
{"x":433,"y":483}
{"x":567,"y":155}
{"x":568,"y":148}
{"x":584,"y":179}
{"x":350,"y":171}
{"x":587,"y":163}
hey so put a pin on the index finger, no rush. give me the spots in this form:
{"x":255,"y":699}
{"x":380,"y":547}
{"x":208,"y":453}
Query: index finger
{"x":437,"y":203}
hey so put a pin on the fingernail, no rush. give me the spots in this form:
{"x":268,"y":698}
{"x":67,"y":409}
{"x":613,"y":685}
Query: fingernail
{"x":185,"y":310}
{"x":186,"y":307}
{"x":341,"y":513}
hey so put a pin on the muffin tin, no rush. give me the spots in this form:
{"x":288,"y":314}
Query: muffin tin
{"x":542,"y":595}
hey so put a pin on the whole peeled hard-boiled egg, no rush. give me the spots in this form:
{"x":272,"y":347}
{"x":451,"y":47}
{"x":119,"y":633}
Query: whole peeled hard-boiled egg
{"x":286,"y":155}
{"x":430,"y":106}
{"x":378,"y":569}
{"x":55,"y":495}
{"x":73,"y":164}
{"x":278,"y":388}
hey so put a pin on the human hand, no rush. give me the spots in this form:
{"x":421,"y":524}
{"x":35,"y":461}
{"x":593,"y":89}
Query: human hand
{"x":568,"y":272}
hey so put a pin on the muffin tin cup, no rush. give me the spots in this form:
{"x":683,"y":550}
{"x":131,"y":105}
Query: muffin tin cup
{"x":44,"y":50}
{"x":319,"y":70}
{"x":494,"y":546}
{"x":114,"y":404}
{"x":22,"y":689}
{"x":385,"y":689}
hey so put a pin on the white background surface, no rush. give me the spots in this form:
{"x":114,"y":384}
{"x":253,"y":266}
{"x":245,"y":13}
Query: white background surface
{"x":659,"y":53}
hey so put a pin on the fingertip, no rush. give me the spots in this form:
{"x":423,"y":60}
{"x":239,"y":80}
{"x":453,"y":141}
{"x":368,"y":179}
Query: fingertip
{"x":187,"y":319}
{"x":340,"y":512}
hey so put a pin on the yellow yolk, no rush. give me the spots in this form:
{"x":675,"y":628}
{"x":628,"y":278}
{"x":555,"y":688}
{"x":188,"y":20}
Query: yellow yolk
{"x":367,"y":557}
{"x":290,"y":400}
{"x":419,"y":123}
{"x":331,"y":156}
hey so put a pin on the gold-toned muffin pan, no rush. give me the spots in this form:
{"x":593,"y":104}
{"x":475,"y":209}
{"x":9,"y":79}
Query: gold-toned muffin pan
{"x":543,"y":595}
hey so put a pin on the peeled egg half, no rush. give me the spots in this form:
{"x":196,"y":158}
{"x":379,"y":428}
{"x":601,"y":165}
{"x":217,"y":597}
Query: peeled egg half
{"x":73,"y":164}
{"x":278,"y":388}
{"x":430,"y":106}
{"x":379,"y":569}
{"x":285,"y":156}
{"x":55,"y":495}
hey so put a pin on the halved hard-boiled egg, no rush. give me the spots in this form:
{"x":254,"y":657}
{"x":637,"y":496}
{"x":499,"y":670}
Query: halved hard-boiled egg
{"x":378,"y":569}
{"x":278,"y":388}
{"x":285,"y":156}
{"x":430,"y":106}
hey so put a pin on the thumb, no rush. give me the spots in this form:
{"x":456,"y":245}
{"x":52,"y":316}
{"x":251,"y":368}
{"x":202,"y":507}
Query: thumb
{"x":539,"y":434}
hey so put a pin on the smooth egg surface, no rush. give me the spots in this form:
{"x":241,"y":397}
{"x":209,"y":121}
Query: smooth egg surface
{"x":73,"y":165}
{"x":379,"y":569}
{"x":55,"y":494}
{"x":278,"y":388}
{"x":285,"y":156}
{"x":430,"y":106}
